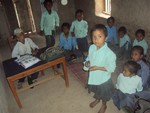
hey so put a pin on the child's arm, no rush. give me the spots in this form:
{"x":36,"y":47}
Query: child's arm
{"x":15,"y":52}
{"x":93,"y":68}
{"x":32,"y":44}
{"x":57,"y":20}
{"x":61,"y":42}
{"x":72,"y":29}
{"x":42,"y":23}
{"x":140,"y":86}
{"x":115,"y":36}
{"x":109,"y":66}
{"x":74,"y":43}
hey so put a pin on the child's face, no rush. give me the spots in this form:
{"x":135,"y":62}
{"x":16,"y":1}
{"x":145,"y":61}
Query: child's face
{"x":79,"y":16}
{"x":20,"y":38}
{"x":126,"y":72}
{"x":48,"y":6}
{"x":110,"y":23}
{"x":65,"y":30}
{"x":121,"y":34}
{"x":139,"y":37}
{"x":136,"y":56}
{"x":98,"y":38}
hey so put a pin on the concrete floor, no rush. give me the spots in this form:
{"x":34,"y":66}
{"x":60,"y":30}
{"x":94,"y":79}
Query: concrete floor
{"x":54,"y":97}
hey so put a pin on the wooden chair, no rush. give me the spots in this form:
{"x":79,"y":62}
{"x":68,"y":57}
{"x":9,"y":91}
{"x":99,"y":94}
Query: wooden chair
{"x":11,"y":42}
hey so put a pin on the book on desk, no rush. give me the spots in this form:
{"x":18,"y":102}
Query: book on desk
{"x":27,"y":61}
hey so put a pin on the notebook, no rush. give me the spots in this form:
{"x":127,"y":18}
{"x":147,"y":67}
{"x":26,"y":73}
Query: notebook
{"x":27,"y":61}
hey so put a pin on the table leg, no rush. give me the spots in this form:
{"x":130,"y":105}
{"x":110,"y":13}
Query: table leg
{"x":65,"y":73}
{"x":13,"y":89}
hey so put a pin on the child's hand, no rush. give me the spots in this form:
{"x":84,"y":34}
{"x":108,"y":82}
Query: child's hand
{"x":87,"y":63}
{"x":34,"y":52}
{"x":93,"y":68}
{"x":72,"y":33}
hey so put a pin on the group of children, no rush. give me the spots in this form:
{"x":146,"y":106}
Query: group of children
{"x":101,"y":62}
{"x":100,"y":58}
{"x":72,"y":36}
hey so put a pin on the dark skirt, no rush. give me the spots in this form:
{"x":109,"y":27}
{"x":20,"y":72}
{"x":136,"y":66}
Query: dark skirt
{"x":103,"y":91}
{"x":82,"y":44}
{"x":122,"y":100}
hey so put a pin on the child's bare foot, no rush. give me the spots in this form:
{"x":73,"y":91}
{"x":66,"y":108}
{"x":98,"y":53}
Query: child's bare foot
{"x":89,"y":91}
{"x":102,"y":109}
{"x":94,"y":103}
{"x":56,"y":72}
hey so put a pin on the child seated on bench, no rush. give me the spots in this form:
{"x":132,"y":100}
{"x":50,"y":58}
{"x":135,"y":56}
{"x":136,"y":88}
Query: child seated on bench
{"x":22,"y":47}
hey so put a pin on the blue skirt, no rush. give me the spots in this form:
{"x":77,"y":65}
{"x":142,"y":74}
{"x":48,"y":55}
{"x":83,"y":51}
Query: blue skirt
{"x":103,"y":91}
{"x":128,"y":100}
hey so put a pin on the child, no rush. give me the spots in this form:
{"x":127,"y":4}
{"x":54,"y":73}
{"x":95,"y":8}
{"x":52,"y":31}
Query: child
{"x":22,"y":47}
{"x":112,"y":39}
{"x":137,"y":55}
{"x":128,"y":83}
{"x":140,"y":41}
{"x":49,"y":23}
{"x":101,"y":65}
{"x":79,"y":28}
{"x":125,"y":43}
{"x":67,"y":42}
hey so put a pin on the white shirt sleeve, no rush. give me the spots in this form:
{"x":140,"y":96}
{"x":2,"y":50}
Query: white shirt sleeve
{"x":15,"y":52}
{"x":140,"y":85}
{"x":118,"y":80}
{"x":32,"y":44}
{"x":72,"y":27}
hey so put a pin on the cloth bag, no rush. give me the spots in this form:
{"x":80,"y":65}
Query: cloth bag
{"x":52,"y":53}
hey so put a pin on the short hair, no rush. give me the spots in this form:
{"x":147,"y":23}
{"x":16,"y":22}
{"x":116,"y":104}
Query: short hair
{"x":122,"y":29}
{"x":139,"y":49}
{"x":46,"y":1}
{"x":65,"y":25}
{"x":78,"y":11}
{"x":111,"y":18}
{"x":99,"y":27}
{"x":132,"y":66}
{"x":140,"y":31}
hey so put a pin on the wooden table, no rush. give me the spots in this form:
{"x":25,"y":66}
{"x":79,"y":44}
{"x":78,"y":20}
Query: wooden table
{"x":11,"y":75}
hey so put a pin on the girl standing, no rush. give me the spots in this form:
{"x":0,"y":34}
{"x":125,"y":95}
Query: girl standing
{"x":102,"y":62}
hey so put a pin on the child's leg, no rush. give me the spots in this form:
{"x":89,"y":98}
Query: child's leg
{"x":34,"y":76}
{"x":48,"y":40}
{"x":103,"y":107}
{"x":94,"y":103}
{"x":55,"y":70}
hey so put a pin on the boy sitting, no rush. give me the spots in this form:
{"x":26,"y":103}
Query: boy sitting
{"x":22,"y":47}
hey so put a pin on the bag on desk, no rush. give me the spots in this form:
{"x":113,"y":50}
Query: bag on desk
{"x":52,"y":53}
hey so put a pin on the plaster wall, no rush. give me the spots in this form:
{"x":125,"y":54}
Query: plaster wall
{"x":133,"y":15}
{"x":4,"y":27}
{"x":89,"y":8}
{"x":7,"y":101}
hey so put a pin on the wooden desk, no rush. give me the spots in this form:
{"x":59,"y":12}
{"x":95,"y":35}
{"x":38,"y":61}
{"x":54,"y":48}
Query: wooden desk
{"x":21,"y":72}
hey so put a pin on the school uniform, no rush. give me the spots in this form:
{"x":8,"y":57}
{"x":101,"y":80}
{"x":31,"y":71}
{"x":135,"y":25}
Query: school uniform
{"x":80,"y":29}
{"x":48,"y":25}
{"x":144,"y":73}
{"x":127,"y":89}
{"x":22,"y":49}
{"x":112,"y":39}
{"x":141,"y":43}
{"x":125,"y":47}
{"x":69,"y":45}
{"x":100,"y":81}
